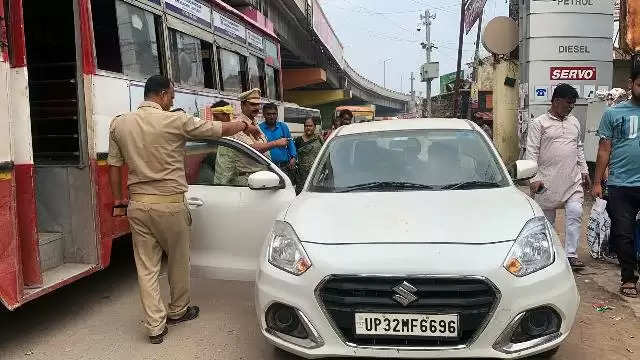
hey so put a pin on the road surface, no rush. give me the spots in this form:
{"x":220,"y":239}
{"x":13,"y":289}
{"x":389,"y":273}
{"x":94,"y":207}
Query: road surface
{"x":100,"y":318}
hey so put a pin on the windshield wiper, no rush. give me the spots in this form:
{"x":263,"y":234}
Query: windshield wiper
{"x":471,"y":185}
{"x":382,"y":185}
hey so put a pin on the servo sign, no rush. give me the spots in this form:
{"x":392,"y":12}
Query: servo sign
{"x":573,"y":73}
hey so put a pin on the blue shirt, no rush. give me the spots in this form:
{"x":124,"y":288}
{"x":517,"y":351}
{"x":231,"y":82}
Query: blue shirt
{"x":281,"y":130}
{"x":620,"y":125}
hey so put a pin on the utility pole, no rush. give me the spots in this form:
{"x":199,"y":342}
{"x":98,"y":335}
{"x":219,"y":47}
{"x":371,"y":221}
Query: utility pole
{"x":428,"y":46}
{"x":413,"y":92}
{"x":476,"y":57}
{"x":384,"y":67}
{"x":456,"y":106}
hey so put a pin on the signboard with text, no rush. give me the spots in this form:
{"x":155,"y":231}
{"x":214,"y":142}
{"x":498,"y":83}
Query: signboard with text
{"x":572,"y":6}
{"x":255,"y":40}
{"x":472,"y":12}
{"x":228,"y":27}
{"x":569,"y":49}
{"x":191,"y":9}
{"x":446,"y":79}
{"x":573,"y":73}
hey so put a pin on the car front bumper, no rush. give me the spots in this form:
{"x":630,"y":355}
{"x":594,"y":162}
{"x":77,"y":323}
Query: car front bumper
{"x":553,"y":286}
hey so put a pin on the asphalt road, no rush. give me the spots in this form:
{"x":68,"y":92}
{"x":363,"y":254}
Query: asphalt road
{"x":100,"y":318}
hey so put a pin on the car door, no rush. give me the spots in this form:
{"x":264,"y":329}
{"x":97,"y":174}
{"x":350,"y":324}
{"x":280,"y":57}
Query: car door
{"x":230,"y":221}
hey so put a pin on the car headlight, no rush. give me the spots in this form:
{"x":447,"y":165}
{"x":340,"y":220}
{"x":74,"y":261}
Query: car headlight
{"x":532,"y":250}
{"x":286,"y":251}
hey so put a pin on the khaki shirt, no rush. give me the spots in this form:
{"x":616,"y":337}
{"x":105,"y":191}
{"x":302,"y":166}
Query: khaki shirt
{"x":151,"y":142}
{"x":233,"y":167}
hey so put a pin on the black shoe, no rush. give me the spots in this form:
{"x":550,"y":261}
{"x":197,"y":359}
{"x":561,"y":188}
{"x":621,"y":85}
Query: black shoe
{"x":158,"y":339}
{"x":576,"y":263}
{"x":192,"y":313}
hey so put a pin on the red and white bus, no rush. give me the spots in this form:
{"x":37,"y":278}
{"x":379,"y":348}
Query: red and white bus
{"x":67,"y":67}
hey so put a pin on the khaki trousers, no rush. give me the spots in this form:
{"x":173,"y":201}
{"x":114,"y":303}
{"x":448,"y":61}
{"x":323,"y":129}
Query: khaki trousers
{"x":158,"y":228}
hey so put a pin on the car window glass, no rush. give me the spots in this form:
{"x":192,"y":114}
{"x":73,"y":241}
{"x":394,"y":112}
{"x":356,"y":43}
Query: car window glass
{"x":219,"y":165}
{"x":427,"y":157}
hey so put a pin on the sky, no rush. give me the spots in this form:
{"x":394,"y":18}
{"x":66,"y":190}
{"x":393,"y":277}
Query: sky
{"x":374,"y":30}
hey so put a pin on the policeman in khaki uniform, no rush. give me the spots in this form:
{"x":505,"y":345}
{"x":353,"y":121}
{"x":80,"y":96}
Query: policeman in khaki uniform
{"x":151,"y":142}
{"x":234,"y":168}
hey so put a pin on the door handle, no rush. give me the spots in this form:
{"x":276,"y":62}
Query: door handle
{"x":195,"y":202}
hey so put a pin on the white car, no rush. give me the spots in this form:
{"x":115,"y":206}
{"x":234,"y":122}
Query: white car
{"x":410,"y":240}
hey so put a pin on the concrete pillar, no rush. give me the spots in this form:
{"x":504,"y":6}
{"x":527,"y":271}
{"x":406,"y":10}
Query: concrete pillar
{"x":505,"y":112}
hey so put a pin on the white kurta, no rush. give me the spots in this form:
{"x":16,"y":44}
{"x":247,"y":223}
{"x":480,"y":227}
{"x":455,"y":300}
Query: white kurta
{"x":556,"y":146}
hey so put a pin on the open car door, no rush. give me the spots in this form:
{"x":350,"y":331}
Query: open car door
{"x":231,"y":220}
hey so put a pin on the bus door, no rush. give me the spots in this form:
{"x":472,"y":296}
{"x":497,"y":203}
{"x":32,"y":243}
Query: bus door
{"x":66,"y":241}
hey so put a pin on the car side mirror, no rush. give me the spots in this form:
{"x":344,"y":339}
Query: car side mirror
{"x":525,"y":170}
{"x":264,"y":180}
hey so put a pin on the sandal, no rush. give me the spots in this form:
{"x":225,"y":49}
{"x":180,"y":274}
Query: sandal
{"x":192,"y":313}
{"x":629,"y":290}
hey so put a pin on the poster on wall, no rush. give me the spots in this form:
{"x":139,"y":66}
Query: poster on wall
{"x":191,"y":9}
{"x":229,"y":27}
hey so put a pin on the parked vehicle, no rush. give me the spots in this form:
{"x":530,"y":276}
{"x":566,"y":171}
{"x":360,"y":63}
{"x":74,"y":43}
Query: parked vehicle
{"x":410,"y":240}
{"x":362,"y":113}
{"x":71,"y":67}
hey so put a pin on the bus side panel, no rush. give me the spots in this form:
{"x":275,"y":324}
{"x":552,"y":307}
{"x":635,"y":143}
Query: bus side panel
{"x":109,"y":97}
{"x":110,"y":228}
{"x":10,"y":272}
{"x":25,"y":177}
{"x":27,"y":224}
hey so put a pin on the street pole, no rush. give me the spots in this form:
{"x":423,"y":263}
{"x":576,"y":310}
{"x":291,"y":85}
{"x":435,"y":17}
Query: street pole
{"x":456,"y":105}
{"x":476,"y":57}
{"x":384,"y":67}
{"x":413,"y":92}
{"x":427,"y":20}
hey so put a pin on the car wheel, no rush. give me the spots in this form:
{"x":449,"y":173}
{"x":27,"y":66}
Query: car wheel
{"x":545,"y":355}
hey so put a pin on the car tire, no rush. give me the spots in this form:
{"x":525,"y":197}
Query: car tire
{"x":545,"y":355}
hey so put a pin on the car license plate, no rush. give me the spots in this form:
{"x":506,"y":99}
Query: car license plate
{"x":407,"y":325}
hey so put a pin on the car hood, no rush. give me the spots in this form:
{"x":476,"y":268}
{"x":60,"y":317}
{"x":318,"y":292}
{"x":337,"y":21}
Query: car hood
{"x":464,"y":216}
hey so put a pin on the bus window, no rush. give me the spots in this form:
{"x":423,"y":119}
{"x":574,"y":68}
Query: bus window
{"x":272,"y":83}
{"x":135,"y":52}
{"x":190,"y":60}
{"x":232,"y":71}
{"x":256,"y":73}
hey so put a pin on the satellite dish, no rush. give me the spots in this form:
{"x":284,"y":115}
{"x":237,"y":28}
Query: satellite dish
{"x":500,"y":36}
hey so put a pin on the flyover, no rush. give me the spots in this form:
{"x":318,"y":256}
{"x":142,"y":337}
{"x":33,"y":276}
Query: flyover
{"x":315,"y":73}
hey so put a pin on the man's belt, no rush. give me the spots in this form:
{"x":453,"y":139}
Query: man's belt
{"x":157,"y":199}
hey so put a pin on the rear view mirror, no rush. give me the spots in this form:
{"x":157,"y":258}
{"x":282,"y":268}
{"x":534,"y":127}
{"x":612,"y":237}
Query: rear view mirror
{"x":525,"y":169}
{"x":264,"y":180}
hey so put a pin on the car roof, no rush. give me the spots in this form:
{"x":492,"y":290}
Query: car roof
{"x":406,"y":124}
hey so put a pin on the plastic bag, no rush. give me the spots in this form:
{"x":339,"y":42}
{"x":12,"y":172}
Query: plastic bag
{"x":598,"y":232}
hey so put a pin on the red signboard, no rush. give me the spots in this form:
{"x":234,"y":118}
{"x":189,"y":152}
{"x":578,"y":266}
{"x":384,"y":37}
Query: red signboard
{"x":572,"y":73}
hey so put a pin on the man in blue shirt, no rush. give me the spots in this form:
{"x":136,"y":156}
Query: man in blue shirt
{"x":284,"y":157}
{"x":620,"y":150}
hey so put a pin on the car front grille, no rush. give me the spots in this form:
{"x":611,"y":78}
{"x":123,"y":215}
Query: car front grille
{"x":473,"y":299}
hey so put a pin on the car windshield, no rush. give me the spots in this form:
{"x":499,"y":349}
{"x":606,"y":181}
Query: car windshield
{"x":428,"y":160}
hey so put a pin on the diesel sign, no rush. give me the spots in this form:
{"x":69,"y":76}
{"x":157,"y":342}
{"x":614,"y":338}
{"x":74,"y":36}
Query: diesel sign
{"x":573,"y":73}
{"x":573,"y":49}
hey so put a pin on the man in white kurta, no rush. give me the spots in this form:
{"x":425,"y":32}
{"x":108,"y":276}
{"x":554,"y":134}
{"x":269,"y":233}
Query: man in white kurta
{"x":554,"y":142}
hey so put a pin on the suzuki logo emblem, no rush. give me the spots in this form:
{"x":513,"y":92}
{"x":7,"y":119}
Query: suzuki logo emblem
{"x":405,"y":294}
